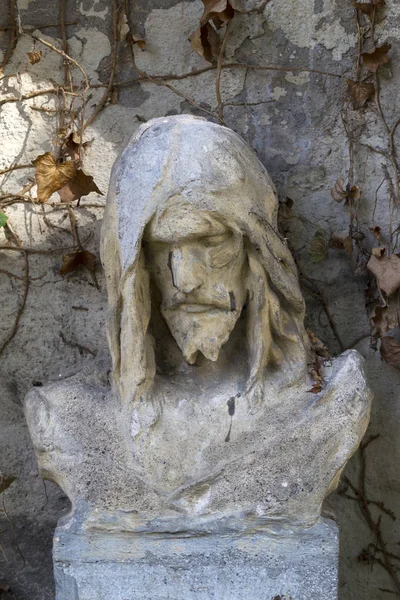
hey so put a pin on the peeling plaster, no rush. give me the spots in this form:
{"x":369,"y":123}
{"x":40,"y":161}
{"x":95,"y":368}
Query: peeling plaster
{"x":168,"y":51}
{"x":23,"y":4}
{"x":306,"y":29}
{"x":298,"y":78}
{"x":89,"y":46}
{"x":92,"y":12}
{"x":278,"y":92}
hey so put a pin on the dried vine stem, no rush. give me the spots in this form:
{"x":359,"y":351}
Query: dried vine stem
{"x":16,"y":168}
{"x":110,"y":85}
{"x":318,"y":293}
{"x":13,"y":35}
{"x":64,"y":55}
{"x":374,"y":525}
{"x":219,"y":71}
{"x":167,"y":85}
{"x":57,"y":90}
{"x":22,"y":305}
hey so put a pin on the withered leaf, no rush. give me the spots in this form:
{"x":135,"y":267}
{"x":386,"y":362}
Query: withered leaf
{"x":285,"y":208}
{"x":338,"y":191}
{"x":51,"y":176}
{"x":205,"y":41}
{"x":80,"y":185}
{"x":5,"y":482}
{"x":354,"y":193}
{"x":379,"y":252}
{"x":387,"y":272}
{"x":73,"y":260}
{"x":365,"y":7}
{"x":138,"y":41}
{"x":358,"y":236}
{"x":319,"y":246}
{"x":385,"y":319}
{"x":221,"y":11}
{"x":72,"y":145}
{"x":377,"y":57}
{"x":359,"y":92}
{"x":342,"y":242}
{"x":318,"y":347}
{"x":34,"y":57}
{"x":376,"y":232}
{"x":316,"y":388}
{"x":390,"y":351}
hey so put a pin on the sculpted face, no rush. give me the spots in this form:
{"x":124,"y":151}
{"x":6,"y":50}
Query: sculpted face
{"x":199,"y":265}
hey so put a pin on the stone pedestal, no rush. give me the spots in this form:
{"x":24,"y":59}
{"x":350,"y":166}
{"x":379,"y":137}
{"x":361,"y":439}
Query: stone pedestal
{"x":260,"y":565}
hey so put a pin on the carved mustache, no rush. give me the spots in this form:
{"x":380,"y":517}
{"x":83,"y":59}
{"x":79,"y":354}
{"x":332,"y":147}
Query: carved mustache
{"x":180,"y":300}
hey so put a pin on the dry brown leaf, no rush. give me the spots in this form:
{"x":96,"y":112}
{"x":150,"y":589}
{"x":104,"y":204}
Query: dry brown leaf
{"x":342,"y":242}
{"x":354,"y":193}
{"x":34,"y":57}
{"x":387,"y":272}
{"x":365,"y":7}
{"x":205,"y":41}
{"x":377,"y":57}
{"x":72,"y":145}
{"x":385,"y":319}
{"x":220,"y":11}
{"x":5,"y":482}
{"x":319,"y":249}
{"x":80,"y":185}
{"x":338,"y":191}
{"x":379,"y":252}
{"x":317,"y":345}
{"x":139,"y":42}
{"x":390,"y":351}
{"x":376,"y":232}
{"x":73,"y":260}
{"x":285,"y":209}
{"x":52,"y":176}
{"x":316,"y":388}
{"x":360,"y":93}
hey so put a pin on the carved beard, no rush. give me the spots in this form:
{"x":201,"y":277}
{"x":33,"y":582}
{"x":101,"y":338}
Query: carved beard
{"x":204,"y":332}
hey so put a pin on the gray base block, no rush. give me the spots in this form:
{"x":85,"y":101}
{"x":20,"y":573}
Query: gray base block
{"x":260,"y":565}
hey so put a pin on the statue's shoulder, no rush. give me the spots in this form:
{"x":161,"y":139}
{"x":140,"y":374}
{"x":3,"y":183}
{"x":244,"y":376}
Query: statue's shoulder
{"x":74,"y":392}
{"x":344,"y":404}
{"x":345,"y":376}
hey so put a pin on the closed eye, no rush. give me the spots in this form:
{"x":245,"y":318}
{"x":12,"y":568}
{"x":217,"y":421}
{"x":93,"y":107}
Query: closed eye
{"x":215,"y":240}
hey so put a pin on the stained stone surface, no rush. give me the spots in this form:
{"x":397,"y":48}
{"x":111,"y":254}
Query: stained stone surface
{"x":205,"y":425}
{"x":258,"y":565}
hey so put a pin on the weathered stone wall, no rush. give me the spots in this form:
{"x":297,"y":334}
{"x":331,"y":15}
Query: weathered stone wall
{"x":293,"y":120}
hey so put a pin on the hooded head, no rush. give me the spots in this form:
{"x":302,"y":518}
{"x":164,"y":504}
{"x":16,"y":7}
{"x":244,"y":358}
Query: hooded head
{"x":191,"y":194}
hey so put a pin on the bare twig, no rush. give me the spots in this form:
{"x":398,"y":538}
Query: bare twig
{"x":374,"y":524}
{"x":219,"y":71}
{"x":110,"y":84}
{"x":64,"y":55}
{"x":162,"y":83}
{"x":13,"y":36}
{"x":35,"y":95}
{"x":15,"y":168}
{"x":21,"y":308}
{"x":324,"y":302}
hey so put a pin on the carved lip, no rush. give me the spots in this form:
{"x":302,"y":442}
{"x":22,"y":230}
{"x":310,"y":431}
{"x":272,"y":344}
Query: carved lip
{"x":197,"y":308}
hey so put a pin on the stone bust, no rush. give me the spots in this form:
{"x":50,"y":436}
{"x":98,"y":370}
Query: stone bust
{"x":208,"y":418}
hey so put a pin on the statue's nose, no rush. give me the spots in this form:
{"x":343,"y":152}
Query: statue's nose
{"x":186,"y":270}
